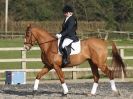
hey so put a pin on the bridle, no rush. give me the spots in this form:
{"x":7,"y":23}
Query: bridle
{"x":30,"y":38}
{"x":31,"y":42}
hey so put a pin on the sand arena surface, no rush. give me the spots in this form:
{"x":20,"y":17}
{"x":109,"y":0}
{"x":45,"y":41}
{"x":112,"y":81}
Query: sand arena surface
{"x":77,"y":90}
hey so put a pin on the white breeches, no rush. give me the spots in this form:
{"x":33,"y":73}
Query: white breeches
{"x":66,"y":42}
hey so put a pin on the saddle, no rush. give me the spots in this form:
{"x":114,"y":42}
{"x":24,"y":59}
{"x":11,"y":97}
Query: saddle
{"x":74,"y":47}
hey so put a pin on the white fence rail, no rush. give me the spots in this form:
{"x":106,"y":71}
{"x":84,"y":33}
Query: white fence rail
{"x":101,"y":33}
{"x":24,"y":59}
{"x":128,"y":34}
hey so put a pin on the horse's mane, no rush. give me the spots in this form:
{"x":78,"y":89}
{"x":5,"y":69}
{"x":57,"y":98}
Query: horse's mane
{"x":44,"y":30}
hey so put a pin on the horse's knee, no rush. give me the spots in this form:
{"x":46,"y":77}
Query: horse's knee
{"x":38,"y":76}
{"x":42,"y":72}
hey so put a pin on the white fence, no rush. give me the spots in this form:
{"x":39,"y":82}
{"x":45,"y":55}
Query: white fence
{"x":126,"y":34}
{"x":100,"y":33}
{"x":24,"y":59}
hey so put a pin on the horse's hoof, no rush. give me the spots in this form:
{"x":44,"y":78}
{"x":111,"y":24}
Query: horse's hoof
{"x":34,"y":93}
{"x":89,"y":94}
{"x":116,"y":93}
{"x":64,"y":95}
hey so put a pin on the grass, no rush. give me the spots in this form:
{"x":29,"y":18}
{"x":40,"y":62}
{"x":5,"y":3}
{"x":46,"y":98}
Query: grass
{"x":11,"y":42}
{"x":124,"y":42}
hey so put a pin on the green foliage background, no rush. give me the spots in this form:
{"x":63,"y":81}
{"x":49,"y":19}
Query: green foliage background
{"x":116,"y":13}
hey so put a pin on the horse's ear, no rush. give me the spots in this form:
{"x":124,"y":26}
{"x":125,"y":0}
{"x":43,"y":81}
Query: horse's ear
{"x":29,"y":26}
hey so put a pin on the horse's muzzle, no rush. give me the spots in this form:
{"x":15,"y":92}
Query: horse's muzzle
{"x":27,"y":47}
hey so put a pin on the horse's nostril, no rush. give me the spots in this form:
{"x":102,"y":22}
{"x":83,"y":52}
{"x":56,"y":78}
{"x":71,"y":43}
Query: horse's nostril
{"x":27,"y":47}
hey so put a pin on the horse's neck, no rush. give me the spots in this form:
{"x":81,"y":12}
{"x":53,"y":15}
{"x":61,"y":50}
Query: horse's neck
{"x":44,"y":40}
{"x":49,"y":47}
{"x":44,"y":37}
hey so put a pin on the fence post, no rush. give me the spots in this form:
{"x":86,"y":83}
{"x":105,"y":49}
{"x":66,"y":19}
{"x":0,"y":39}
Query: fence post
{"x":74,"y":74}
{"x":23,"y":55}
{"x":122,"y":55}
{"x":128,"y":36}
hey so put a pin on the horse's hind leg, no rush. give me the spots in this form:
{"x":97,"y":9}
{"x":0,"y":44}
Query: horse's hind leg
{"x":39,"y":75}
{"x":109,"y":73}
{"x":96,"y":76}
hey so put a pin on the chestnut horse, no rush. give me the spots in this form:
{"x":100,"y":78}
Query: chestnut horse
{"x":93,"y":50}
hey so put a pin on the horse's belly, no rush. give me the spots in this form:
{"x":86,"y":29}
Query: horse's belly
{"x":76,"y":60}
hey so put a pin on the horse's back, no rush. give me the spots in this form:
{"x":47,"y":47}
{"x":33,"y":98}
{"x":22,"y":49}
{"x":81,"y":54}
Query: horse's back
{"x":95,"y":42}
{"x":97,"y":49}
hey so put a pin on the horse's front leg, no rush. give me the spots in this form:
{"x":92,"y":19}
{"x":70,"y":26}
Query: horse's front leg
{"x":60,"y":74}
{"x":38,"y":77}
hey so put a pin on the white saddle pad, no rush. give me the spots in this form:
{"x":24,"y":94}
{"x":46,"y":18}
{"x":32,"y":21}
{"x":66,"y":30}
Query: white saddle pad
{"x":76,"y":48}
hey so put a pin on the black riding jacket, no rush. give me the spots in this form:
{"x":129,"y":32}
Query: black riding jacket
{"x":69,"y":28}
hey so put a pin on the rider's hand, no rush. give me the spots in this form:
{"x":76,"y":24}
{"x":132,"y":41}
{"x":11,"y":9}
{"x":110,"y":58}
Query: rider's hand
{"x":58,"y":35}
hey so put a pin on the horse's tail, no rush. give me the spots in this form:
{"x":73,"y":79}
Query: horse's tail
{"x":117,"y":62}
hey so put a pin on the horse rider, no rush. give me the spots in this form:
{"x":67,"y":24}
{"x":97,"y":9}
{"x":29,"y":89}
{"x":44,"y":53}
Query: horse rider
{"x":68,"y":34}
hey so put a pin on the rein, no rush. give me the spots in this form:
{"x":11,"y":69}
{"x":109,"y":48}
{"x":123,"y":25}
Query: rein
{"x":47,"y":41}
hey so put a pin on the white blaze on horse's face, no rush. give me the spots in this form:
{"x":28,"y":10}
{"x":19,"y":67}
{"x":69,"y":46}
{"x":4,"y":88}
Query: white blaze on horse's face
{"x":25,"y":40}
{"x":26,"y":45}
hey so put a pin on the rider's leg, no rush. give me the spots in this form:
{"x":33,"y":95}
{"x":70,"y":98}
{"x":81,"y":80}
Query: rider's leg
{"x":66,"y":42}
{"x":66,"y":50}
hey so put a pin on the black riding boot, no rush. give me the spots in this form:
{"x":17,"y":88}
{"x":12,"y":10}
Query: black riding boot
{"x":65,"y":57}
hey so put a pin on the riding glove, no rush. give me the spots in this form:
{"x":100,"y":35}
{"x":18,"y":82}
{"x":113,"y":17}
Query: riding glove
{"x":58,"y":35}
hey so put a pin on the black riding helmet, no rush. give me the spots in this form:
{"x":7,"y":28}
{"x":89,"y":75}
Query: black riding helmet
{"x":67,"y":8}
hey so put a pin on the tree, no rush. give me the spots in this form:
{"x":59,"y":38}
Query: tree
{"x":2,"y":8}
{"x":122,"y":12}
{"x":116,"y":13}
{"x":30,"y":9}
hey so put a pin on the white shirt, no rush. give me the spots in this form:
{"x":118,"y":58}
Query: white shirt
{"x":69,"y":15}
